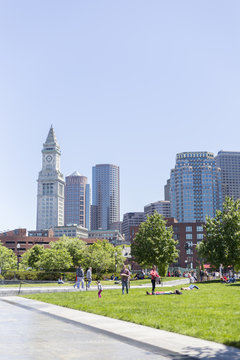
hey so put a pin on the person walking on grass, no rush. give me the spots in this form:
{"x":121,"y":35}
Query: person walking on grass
{"x":100,"y":289}
{"x":79,"y":277}
{"x":89,"y":277}
{"x":125,"y":274}
{"x":154,"y":276}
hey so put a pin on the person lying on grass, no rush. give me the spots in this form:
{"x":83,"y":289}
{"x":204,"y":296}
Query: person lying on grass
{"x":190,"y":287}
{"x":174,"y":292}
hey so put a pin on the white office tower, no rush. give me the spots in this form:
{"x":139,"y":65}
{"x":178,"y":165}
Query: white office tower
{"x":50,"y":196}
{"x":162,"y":207}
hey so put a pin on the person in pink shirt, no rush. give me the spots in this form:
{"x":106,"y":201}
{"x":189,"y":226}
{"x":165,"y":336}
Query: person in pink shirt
{"x":154,"y":275}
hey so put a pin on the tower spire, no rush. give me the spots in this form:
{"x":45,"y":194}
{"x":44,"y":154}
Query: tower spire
{"x":51,"y":138}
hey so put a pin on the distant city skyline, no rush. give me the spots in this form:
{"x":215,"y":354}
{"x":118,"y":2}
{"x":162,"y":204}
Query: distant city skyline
{"x":135,"y":95}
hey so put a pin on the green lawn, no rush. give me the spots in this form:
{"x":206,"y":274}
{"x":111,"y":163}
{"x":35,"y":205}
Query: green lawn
{"x":211,"y":313}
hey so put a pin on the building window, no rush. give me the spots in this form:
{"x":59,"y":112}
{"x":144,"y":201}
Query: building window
{"x":48,"y":189}
{"x":200,"y":236}
{"x":199,"y":228}
{"x":188,"y":236}
{"x":188,"y":228}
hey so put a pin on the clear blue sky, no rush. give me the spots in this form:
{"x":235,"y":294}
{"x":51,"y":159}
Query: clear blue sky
{"x":130,"y":82}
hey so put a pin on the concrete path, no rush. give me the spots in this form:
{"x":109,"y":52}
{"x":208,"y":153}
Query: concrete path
{"x":21,"y":290}
{"x":32,"y":330}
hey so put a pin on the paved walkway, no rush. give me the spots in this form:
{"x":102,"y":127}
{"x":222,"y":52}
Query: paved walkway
{"x":23,"y":290}
{"x":32,"y":330}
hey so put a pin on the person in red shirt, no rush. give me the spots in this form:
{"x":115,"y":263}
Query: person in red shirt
{"x":154,"y":275}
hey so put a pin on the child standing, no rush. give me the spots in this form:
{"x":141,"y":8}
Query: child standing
{"x":100,"y":288}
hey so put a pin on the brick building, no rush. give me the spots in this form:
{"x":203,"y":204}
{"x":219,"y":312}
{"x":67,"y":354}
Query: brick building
{"x":188,"y":236}
{"x":10,"y":239}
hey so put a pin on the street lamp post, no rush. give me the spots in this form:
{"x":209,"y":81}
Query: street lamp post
{"x":18,"y":248}
{"x":115,"y":263}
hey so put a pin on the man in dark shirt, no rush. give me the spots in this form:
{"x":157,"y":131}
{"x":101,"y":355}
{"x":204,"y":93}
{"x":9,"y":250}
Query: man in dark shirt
{"x":79,"y":277}
{"x":125,"y":274}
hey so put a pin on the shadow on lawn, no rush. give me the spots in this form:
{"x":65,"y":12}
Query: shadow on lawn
{"x":208,"y":352}
{"x":233,"y":343}
{"x":233,"y":284}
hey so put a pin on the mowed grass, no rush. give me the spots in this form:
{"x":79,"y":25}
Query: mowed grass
{"x":211,"y":313}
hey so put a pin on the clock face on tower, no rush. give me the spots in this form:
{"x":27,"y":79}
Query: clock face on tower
{"x":49,"y":158}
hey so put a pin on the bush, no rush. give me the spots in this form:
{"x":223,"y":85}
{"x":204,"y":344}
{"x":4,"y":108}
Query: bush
{"x":69,"y":276}
{"x":10,"y":275}
{"x":103,"y":276}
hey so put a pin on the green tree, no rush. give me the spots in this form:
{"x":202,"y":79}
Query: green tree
{"x":77,"y":249}
{"x":154,"y":244}
{"x":221,"y":245}
{"x":32,"y":257}
{"x":56,"y":260}
{"x":8,"y":260}
{"x":102,"y":257}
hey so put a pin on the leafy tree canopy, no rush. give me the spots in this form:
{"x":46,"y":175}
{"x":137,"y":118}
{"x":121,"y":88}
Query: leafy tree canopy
{"x":77,"y":249}
{"x":154,"y":244}
{"x":32,"y":257}
{"x":55,"y":260}
{"x":221,"y":244}
{"x":101,"y":256}
{"x":8,"y":259}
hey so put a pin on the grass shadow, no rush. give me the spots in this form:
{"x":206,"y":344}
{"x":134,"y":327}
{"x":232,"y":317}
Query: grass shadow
{"x":233,"y":343}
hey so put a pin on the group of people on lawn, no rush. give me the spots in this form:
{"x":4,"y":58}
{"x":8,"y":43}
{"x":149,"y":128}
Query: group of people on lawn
{"x":125,"y":277}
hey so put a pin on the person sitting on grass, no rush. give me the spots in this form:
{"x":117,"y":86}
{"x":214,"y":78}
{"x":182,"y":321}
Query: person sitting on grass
{"x":231,"y":279}
{"x":60,"y":280}
{"x":190,"y":287}
{"x":174,"y":292}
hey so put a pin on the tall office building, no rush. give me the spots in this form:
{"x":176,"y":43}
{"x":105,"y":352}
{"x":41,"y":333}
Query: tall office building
{"x":162,"y":207}
{"x":195,"y":187}
{"x":131,"y":221}
{"x":50,"y":195}
{"x":77,"y":200}
{"x":105,"y":208}
{"x":167,"y":191}
{"x":229,"y":162}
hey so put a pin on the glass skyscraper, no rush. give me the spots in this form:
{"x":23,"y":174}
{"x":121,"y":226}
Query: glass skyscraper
{"x":105,"y":196}
{"x":195,"y":187}
{"x":77,"y":200}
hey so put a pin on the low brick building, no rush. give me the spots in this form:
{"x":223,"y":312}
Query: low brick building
{"x":188,"y":236}
{"x":10,"y":239}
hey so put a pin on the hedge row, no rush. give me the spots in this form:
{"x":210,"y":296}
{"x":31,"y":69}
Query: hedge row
{"x":46,"y":276}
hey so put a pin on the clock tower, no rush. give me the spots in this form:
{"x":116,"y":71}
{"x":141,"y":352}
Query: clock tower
{"x":50,"y":196}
